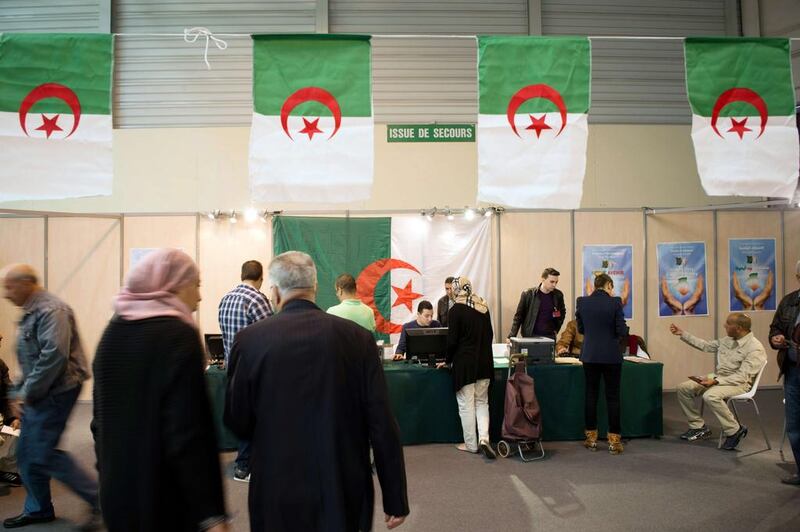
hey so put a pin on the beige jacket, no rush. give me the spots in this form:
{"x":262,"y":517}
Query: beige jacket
{"x":738,"y":361}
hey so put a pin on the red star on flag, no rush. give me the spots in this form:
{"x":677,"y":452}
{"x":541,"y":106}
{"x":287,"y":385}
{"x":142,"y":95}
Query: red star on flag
{"x":49,"y":125}
{"x":538,"y":125}
{"x":739,"y":127}
{"x":311,"y":128}
{"x":405,"y":296}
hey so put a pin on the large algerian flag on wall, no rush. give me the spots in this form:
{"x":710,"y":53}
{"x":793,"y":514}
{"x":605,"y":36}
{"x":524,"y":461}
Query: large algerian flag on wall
{"x":743,"y":120}
{"x":55,"y":115}
{"x":397,"y":261}
{"x":532,"y":128}
{"x":312,"y":133}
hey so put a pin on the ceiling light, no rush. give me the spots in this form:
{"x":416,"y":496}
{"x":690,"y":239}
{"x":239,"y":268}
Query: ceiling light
{"x":250,"y":215}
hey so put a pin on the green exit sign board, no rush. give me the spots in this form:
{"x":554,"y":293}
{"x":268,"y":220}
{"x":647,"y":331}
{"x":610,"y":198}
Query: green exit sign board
{"x":430,"y":133}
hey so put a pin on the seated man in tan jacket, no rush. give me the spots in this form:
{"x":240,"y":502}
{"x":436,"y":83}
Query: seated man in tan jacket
{"x":740,"y":356}
{"x":570,"y":341}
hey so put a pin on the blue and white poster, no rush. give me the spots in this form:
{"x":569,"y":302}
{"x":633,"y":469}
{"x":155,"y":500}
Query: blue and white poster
{"x":752,"y":274}
{"x":616,"y":261}
{"x":682,"y":279}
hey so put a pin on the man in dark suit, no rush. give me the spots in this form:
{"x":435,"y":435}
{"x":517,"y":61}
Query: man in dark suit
{"x":307,"y":388}
{"x":445,"y":302}
{"x":602,"y":322}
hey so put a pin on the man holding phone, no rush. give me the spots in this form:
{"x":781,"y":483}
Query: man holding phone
{"x":740,"y":356}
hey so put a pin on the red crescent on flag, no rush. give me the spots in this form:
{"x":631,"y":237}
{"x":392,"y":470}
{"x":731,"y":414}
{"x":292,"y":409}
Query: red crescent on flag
{"x":536,"y":91}
{"x":740,"y":94}
{"x":51,"y":90}
{"x":307,"y":94}
{"x":366,"y":282}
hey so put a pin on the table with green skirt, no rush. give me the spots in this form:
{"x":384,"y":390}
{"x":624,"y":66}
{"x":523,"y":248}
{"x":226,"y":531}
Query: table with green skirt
{"x":424,"y":402}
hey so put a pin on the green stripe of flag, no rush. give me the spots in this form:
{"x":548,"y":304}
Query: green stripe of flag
{"x":81,"y":62}
{"x":716,"y":64}
{"x":337,"y":245}
{"x":340,"y":64}
{"x":508,"y":63}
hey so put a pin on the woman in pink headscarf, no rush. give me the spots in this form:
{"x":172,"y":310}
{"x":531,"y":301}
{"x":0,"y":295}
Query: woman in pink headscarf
{"x":154,"y":438}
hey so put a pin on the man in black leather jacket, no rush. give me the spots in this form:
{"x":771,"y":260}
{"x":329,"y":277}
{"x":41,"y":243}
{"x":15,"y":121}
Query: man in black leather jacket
{"x":784,"y":335}
{"x":541,"y":309}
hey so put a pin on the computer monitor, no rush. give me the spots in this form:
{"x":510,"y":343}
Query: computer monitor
{"x":539,"y":349}
{"x":425,"y":343}
{"x":214,"y":347}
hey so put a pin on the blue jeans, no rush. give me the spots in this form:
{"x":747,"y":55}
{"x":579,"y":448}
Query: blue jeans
{"x":791,"y":393}
{"x":39,"y":460}
{"x":243,"y":457}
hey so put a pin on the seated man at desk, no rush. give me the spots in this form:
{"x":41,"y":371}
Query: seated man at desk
{"x":570,"y":341}
{"x":424,"y":320}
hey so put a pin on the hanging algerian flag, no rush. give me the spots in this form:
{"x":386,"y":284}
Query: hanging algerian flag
{"x":397,"y":262}
{"x":55,"y":115}
{"x":743,"y":122}
{"x":312,"y":133}
{"x":532,"y":130}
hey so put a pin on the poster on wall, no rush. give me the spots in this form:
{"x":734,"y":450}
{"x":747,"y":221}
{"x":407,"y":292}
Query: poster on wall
{"x":615,"y":260}
{"x":682,"y":278}
{"x":752,"y":274}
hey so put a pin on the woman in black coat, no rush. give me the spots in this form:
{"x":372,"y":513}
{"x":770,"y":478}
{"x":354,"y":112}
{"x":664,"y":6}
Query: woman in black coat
{"x":154,"y":435}
{"x":469,"y":350}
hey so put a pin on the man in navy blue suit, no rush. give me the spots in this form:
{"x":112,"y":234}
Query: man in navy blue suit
{"x":602,"y":323}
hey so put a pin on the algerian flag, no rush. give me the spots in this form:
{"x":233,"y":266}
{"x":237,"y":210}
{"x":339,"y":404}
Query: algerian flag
{"x":743,"y":122}
{"x":312,"y":133}
{"x":532,"y":129}
{"x":55,"y":115}
{"x":397,"y":261}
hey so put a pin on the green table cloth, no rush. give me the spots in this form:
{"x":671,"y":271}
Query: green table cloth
{"x":216,"y":381}
{"x":423,"y":401}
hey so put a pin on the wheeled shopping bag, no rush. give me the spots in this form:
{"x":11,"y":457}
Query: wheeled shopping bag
{"x":522,"y":419}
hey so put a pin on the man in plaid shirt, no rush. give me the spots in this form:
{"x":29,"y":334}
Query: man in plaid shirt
{"x":243,"y":306}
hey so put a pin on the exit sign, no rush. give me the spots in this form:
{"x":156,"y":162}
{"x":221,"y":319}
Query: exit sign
{"x":430,"y":133}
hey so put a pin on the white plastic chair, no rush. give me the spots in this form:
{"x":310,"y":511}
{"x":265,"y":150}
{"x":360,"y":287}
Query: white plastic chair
{"x":748,"y":397}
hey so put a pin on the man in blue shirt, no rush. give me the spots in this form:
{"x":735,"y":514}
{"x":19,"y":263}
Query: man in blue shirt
{"x":243,"y":306}
{"x":424,"y":320}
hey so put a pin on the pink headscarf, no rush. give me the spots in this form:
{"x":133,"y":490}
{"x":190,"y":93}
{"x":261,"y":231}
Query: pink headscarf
{"x":150,"y":287}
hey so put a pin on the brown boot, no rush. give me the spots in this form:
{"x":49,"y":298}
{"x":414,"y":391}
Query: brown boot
{"x":615,"y":443}
{"x":591,"y":440}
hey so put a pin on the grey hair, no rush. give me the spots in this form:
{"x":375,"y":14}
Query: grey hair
{"x":293,"y":270}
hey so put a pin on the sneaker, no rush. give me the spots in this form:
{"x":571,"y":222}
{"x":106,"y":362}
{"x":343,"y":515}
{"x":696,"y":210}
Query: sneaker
{"x":696,"y":434}
{"x":733,"y":440}
{"x":12,"y":479}
{"x":241,"y":474}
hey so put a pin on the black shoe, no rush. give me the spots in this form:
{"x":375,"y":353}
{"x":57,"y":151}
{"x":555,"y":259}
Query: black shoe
{"x":25,"y":520}
{"x":696,"y":434}
{"x":12,"y":479}
{"x":733,"y":440}
{"x":241,"y":474}
{"x":792,"y":481}
{"x":486,"y":449}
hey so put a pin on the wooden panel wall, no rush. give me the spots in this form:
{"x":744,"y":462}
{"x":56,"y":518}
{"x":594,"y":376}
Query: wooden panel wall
{"x":614,"y":228}
{"x":223,"y":249}
{"x":83,"y":270}
{"x":530,"y":243}
{"x":21,"y":241}
{"x":679,"y":359}
{"x":749,"y":224}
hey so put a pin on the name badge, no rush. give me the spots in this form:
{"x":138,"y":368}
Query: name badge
{"x":556,"y":313}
